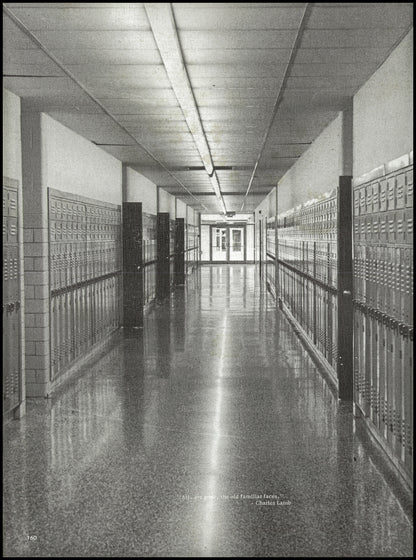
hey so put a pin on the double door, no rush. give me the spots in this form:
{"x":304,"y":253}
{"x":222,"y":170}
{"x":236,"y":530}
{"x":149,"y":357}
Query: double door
{"x":228,"y":244}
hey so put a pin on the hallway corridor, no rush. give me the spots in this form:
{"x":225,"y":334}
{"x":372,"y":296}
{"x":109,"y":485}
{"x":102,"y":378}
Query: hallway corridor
{"x":169,"y":442}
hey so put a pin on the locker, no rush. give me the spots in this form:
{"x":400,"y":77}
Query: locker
{"x":369,"y":199}
{"x":375,"y":372}
{"x":408,"y":286}
{"x":79,"y":251}
{"x":383,"y":226}
{"x":400,"y":190}
{"x":408,"y":225}
{"x":362,"y":199}
{"x":391,"y":193}
{"x":376,"y":197}
{"x":391,"y":349}
{"x":391,"y":227}
{"x":407,"y":427}
{"x":400,"y":226}
{"x":409,"y":189}
{"x":11,"y":302}
{"x":383,"y":195}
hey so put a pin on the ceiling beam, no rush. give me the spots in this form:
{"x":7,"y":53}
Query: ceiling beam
{"x":41,"y":46}
{"x":299,"y":34}
{"x":163,"y":25}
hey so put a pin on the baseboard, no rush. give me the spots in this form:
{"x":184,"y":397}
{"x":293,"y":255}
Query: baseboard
{"x":320,"y":360}
{"x":79,"y":363}
{"x":383,"y":455}
{"x":226,"y":262}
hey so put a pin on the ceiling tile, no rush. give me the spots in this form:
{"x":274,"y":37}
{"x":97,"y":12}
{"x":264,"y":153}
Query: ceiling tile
{"x":273,"y":17}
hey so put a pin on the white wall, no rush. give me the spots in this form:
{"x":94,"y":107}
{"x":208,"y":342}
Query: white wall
{"x":271,"y":203}
{"x":383,"y":111}
{"x":140,"y":189}
{"x":167,"y":203}
{"x":260,"y":215}
{"x":205,"y":242}
{"x":250,"y":242}
{"x":316,"y":171}
{"x":73,"y":164}
{"x":12,"y":147}
{"x":180,"y":209}
{"x":193,"y":216}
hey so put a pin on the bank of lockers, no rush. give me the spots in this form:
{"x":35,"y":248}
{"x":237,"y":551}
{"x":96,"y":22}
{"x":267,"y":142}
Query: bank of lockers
{"x":85,"y":263}
{"x":172,"y":228}
{"x":271,"y":254}
{"x":11,"y":301}
{"x":307,"y":256}
{"x":149,"y":256}
{"x":383,"y":307}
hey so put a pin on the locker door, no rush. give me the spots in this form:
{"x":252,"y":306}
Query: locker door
{"x":11,"y":302}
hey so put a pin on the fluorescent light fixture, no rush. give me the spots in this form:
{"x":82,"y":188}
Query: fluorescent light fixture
{"x":163,"y":26}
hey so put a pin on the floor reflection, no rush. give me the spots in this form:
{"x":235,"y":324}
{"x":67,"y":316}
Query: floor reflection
{"x":162,"y":443}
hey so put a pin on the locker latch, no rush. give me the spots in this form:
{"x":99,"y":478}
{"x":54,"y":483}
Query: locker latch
{"x":404,"y":330}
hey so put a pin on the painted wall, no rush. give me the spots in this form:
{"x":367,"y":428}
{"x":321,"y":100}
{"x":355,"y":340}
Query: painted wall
{"x":73,"y":164}
{"x":316,"y":171}
{"x":181,"y":209}
{"x":383,"y":111}
{"x":193,"y":216}
{"x":250,"y":242}
{"x":205,"y":229}
{"x":260,"y":217}
{"x":138,"y":188}
{"x":167,"y":203}
{"x":12,"y":147}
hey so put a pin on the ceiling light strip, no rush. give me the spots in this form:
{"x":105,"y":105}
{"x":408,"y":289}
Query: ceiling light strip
{"x":295,"y":47}
{"x":165,"y":32}
{"x":27,"y":31}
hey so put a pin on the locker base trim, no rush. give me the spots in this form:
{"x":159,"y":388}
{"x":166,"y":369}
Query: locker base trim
{"x":79,"y":363}
{"x":271,"y":289}
{"x":367,"y":432}
{"x":226,"y":262}
{"x":324,"y":367}
{"x":15,"y":413}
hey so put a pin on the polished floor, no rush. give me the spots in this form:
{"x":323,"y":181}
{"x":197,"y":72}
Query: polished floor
{"x":209,"y":433}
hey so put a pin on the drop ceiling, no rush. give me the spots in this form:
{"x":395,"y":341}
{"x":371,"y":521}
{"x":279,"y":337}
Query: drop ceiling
{"x":98,"y":69}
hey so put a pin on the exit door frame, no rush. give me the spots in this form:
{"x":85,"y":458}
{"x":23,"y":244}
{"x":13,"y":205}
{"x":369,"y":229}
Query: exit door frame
{"x":228,"y":228}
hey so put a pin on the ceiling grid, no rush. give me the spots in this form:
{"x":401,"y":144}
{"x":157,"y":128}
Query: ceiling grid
{"x":104,"y":77}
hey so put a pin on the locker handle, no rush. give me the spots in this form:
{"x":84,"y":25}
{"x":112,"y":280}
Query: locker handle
{"x":404,"y":330}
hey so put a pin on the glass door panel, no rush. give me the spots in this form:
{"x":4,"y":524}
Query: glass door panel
{"x":236,"y":244}
{"x":219,"y":243}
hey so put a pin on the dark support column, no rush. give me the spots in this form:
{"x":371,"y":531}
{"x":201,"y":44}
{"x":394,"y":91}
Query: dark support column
{"x":345,"y":311}
{"x":163,"y":255}
{"x":132,"y":265}
{"x":180,"y":251}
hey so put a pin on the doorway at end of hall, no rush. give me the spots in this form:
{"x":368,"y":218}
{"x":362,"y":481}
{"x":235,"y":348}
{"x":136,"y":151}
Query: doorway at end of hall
{"x":228,"y":244}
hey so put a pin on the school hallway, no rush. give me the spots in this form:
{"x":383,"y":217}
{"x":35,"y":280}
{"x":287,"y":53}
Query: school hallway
{"x":209,"y":432}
